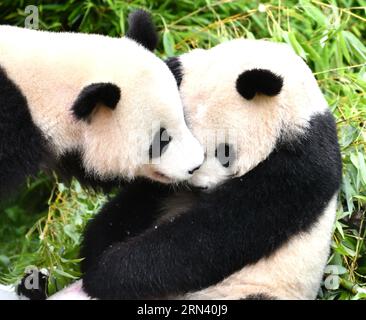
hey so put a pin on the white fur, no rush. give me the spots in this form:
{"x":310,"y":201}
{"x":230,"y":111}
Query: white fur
{"x":52,"y":68}
{"x":72,"y":292}
{"x":212,"y":103}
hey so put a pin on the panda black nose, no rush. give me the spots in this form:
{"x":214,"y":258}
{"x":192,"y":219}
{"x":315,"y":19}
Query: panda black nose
{"x":193,"y":170}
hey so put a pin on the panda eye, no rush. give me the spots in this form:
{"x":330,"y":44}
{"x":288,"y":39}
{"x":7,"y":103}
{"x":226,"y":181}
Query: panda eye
{"x":159,"y":143}
{"x":225,"y":154}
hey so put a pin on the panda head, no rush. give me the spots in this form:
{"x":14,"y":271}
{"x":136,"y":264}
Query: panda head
{"x":240,"y":99}
{"x":133,"y":121}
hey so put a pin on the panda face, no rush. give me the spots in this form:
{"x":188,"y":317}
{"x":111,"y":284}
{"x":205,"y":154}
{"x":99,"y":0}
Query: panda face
{"x":136,"y":126}
{"x":219,"y":165}
{"x":260,"y":92}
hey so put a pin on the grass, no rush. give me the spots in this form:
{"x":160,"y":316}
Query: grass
{"x":42,"y":225}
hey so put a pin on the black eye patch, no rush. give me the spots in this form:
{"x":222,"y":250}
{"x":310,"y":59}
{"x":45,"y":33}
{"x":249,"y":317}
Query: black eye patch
{"x":225,"y":154}
{"x":159,"y":143}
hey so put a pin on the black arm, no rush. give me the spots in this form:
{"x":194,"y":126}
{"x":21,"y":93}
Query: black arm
{"x":239,"y":223}
{"x":132,"y":211}
{"x":195,"y":250}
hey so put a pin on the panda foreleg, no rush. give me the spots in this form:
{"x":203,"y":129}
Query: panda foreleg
{"x":193,"y":251}
{"x":132,"y":211}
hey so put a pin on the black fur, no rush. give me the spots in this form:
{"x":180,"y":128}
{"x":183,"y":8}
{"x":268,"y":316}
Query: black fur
{"x":107,"y":94}
{"x":24,"y":150}
{"x":237,"y":224}
{"x":22,"y":146}
{"x":175,"y":67}
{"x":142,"y":30}
{"x":252,"y":82}
{"x":111,"y":226}
{"x":34,"y":294}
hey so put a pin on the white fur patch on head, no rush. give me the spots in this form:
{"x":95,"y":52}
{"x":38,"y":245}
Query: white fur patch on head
{"x":212,"y":102}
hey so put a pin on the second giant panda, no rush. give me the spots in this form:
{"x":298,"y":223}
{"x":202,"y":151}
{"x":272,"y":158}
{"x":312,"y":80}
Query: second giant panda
{"x":261,"y":226}
{"x":90,"y":105}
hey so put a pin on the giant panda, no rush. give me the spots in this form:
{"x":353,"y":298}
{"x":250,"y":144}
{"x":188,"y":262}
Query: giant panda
{"x":258,"y":223}
{"x":92,"y":106}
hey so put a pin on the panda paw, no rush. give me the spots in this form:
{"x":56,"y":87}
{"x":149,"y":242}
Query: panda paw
{"x":33,"y":285}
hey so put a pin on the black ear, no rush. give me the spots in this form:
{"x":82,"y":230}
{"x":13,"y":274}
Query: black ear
{"x":175,"y":67}
{"x":262,"y":81}
{"x":142,"y":30}
{"x":101,"y":93}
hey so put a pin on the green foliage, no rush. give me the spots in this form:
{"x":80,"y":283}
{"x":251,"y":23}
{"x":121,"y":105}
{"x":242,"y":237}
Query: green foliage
{"x":43,"y":225}
{"x":47,"y":236}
